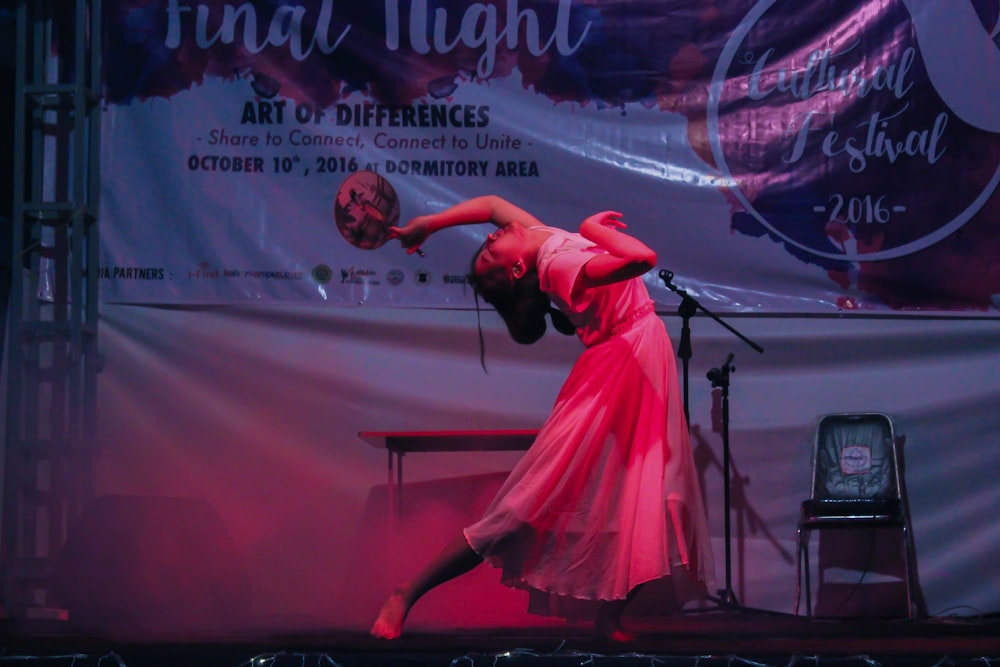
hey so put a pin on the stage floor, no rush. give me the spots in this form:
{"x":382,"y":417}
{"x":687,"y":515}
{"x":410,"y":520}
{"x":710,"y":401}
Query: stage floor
{"x":698,"y":640}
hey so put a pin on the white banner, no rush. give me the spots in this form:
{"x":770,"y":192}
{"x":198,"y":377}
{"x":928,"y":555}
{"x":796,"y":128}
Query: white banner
{"x":780,"y":156}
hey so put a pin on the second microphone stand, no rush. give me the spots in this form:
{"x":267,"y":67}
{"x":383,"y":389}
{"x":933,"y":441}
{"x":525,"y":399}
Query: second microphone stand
{"x":719,"y":377}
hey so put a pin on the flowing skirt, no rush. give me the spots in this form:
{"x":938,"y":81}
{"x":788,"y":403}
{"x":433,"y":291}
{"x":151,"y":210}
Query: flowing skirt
{"x":608,"y":496}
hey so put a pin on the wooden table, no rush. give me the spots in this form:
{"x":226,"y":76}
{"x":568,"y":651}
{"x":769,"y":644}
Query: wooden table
{"x":398,"y":443}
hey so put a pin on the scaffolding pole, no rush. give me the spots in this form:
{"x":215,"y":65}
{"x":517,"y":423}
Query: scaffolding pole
{"x":52,"y":355}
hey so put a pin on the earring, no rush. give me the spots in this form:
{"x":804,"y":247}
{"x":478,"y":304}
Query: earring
{"x":518,"y":269}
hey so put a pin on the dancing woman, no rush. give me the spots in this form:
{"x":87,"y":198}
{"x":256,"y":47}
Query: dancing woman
{"x":607,"y":497}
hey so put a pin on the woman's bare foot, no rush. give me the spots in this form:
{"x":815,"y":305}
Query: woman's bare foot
{"x":616,"y":634}
{"x":608,"y":623}
{"x":389,"y":624}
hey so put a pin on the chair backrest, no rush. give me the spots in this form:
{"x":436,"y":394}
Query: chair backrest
{"x":855,"y":457}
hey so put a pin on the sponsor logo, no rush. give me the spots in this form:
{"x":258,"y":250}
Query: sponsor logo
{"x":322,"y":274}
{"x":354,"y":275}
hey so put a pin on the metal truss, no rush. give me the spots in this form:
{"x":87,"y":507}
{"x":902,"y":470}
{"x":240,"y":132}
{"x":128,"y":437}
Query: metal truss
{"x":52,"y":361}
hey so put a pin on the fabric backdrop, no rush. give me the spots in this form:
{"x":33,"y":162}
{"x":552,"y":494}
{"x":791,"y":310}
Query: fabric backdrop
{"x":780,"y":155}
{"x":256,"y":411}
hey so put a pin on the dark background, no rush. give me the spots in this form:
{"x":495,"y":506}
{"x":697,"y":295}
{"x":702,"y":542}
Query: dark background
{"x":7,"y":37}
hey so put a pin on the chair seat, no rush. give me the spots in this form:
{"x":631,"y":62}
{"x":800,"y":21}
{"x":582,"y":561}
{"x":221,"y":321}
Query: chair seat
{"x":831,"y":510}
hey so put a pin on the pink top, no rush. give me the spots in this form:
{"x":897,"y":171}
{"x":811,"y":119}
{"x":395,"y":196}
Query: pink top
{"x":597,"y":313}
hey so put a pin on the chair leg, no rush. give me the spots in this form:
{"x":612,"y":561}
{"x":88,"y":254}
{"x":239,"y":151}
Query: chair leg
{"x":911,"y":574}
{"x":798,"y":571}
{"x":803,"y":573}
{"x":808,"y":574}
{"x":802,"y":540}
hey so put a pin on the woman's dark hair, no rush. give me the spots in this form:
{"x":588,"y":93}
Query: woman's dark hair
{"x":522,"y":304}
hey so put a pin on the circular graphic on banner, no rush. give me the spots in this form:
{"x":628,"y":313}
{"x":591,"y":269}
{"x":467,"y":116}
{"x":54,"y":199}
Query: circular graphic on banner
{"x":841,"y":145}
{"x":322,"y":274}
{"x":365,"y":207}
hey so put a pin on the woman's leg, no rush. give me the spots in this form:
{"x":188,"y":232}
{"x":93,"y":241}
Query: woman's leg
{"x":455,"y":559}
{"x":608,"y":623}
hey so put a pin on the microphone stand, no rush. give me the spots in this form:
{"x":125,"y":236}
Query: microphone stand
{"x":719,"y":377}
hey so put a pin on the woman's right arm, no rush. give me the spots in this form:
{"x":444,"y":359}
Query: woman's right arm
{"x":488,"y":208}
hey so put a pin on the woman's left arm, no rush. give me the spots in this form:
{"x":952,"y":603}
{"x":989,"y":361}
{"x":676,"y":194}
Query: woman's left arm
{"x":627,"y":257}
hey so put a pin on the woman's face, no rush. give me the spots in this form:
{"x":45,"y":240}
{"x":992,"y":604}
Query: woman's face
{"x":502,"y":254}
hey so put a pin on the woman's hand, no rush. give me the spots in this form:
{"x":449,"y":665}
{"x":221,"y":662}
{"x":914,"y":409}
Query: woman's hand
{"x":610,"y":219}
{"x":413,"y":235}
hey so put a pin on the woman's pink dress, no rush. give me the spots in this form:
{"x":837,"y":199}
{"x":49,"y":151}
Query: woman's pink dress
{"x":607,"y":497}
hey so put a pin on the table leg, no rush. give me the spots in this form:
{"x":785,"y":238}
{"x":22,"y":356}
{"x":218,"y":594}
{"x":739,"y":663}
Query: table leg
{"x":399,"y":484}
{"x":395,"y":459}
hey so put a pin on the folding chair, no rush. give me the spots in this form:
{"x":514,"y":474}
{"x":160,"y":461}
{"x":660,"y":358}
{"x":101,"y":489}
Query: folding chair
{"x":856,"y":483}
